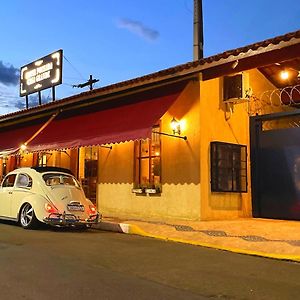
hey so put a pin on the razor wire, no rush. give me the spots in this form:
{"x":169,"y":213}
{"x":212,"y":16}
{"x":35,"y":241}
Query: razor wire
{"x":286,"y":98}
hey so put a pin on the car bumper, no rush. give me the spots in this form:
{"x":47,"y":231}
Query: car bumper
{"x":56,"y":219}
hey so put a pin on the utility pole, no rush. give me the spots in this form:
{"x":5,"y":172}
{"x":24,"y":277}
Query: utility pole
{"x":198,"y":30}
{"x":90,"y":82}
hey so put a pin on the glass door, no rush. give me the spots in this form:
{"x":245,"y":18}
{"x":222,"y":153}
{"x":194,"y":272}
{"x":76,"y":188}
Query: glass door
{"x":90,"y":172}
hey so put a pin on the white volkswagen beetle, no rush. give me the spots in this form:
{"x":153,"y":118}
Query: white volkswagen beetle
{"x":45,"y":194}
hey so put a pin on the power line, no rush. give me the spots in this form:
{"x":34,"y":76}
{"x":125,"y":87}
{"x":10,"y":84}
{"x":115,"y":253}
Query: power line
{"x":74,"y":68}
{"x":68,"y":84}
{"x":76,"y":78}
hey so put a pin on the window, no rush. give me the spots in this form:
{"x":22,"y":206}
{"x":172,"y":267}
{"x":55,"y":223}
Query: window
{"x":228,"y":167}
{"x":24,"y":181}
{"x":42,"y":159}
{"x":9,"y":180}
{"x":57,"y":179}
{"x":147,"y":171}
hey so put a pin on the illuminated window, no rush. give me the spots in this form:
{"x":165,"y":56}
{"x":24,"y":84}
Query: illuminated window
{"x":42,"y":159}
{"x":228,"y":167}
{"x":147,"y":171}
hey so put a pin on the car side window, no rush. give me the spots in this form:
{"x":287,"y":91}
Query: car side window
{"x":9,"y":180}
{"x":24,"y":181}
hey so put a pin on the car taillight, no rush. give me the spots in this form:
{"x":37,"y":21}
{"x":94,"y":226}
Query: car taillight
{"x":50,"y":208}
{"x":93,"y":209}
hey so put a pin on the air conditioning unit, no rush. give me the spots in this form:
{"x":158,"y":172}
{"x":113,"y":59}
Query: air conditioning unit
{"x":236,"y":88}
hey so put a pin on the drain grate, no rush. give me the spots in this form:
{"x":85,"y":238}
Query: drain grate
{"x":253,"y":238}
{"x":294,"y":243}
{"x":184,"y":228}
{"x":214,"y":232}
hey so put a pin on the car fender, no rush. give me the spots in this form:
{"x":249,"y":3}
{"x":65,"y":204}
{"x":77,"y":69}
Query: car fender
{"x":38,"y":203}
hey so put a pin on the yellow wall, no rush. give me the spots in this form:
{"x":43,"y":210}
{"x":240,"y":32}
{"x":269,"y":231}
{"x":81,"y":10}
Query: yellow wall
{"x":54,"y":159}
{"x":227,"y":123}
{"x":27,"y":160}
{"x":180,"y":197}
{"x":219,"y":124}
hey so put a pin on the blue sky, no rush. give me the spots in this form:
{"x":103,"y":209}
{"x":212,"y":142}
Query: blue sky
{"x":117,"y":40}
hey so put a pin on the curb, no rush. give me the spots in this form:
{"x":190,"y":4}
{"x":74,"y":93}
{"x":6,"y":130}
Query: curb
{"x":136,"y":230}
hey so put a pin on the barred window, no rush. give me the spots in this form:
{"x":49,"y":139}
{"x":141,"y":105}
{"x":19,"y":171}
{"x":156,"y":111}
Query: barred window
{"x":228,"y":167}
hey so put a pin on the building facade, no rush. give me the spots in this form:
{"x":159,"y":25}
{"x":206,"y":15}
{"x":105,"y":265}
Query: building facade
{"x":170,"y":145}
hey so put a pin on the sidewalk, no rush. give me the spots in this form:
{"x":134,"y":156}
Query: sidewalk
{"x":262,"y":237}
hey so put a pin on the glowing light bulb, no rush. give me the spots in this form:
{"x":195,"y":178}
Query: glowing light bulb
{"x":284,"y":75}
{"x":23,"y":147}
{"x":175,"y":125}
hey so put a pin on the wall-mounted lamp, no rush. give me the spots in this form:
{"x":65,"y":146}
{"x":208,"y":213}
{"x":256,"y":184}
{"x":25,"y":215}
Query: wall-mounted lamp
{"x":175,"y":125}
{"x":23,"y":147}
{"x":289,"y":74}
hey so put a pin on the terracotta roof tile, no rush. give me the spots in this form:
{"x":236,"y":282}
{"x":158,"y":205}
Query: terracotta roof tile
{"x":156,"y":75}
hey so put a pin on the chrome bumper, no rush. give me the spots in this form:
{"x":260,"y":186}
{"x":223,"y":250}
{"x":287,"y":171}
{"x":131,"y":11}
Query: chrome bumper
{"x":64,"y":219}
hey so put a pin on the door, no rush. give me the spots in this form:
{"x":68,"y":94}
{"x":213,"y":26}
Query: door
{"x":6,"y":194}
{"x":89,"y":176}
{"x":22,"y":189}
{"x":275,"y":166}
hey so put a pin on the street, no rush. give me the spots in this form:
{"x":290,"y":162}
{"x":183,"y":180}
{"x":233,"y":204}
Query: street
{"x":74,"y":264}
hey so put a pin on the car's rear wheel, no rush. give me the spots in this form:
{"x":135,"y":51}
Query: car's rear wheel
{"x":28,"y":219}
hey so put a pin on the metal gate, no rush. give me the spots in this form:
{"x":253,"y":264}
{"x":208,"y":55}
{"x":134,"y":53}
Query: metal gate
{"x":275,"y":165}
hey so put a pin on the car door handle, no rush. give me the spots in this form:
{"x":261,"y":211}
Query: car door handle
{"x":10,"y":192}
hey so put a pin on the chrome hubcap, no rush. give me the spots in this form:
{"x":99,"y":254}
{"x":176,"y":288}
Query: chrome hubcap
{"x":26,"y":215}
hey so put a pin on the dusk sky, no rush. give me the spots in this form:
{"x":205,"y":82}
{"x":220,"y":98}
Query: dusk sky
{"x":116,"y":40}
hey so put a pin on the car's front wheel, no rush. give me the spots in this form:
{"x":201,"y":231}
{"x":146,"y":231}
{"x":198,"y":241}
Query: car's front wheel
{"x":28,"y":219}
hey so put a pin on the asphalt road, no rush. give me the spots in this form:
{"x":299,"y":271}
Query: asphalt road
{"x":70,"y":264}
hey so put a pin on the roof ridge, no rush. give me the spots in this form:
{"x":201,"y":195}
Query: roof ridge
{"x":192,"y":64}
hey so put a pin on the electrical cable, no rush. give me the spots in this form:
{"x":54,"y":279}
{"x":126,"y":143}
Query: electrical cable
{"x":74,"y":67}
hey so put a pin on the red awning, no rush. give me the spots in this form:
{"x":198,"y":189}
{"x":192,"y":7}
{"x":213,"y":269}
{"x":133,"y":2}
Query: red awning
{"x":12,"y":139}
{"x":111,"y":125}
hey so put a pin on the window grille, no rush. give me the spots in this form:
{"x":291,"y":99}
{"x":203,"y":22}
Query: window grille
{"x":228,"y":167}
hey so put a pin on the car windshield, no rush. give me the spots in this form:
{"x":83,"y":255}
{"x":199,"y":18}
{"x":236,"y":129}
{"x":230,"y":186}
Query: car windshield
{"x":53,"y":179}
